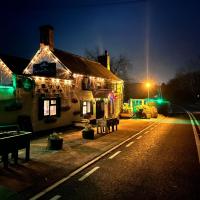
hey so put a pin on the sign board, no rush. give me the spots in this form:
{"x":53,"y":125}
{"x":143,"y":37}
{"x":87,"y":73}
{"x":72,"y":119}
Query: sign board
{"x":45,"y":69}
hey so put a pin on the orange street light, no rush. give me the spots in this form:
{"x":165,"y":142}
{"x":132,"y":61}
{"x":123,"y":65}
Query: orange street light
{"x":148,"y":84}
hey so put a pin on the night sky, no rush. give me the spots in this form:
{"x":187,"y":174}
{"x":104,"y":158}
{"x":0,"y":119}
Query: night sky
{"x":171,"y":27}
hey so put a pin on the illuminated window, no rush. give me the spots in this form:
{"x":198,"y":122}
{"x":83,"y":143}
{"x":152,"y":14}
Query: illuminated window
{"x":46,"y":107}
{"x":49,"y":107}
{"x":86,"y":107}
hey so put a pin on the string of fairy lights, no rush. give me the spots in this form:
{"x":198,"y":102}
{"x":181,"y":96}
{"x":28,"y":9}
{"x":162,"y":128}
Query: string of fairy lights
{"x":44,"y":53}
{"x":5,"y":73}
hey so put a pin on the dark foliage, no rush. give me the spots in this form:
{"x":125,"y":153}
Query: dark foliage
{"x":185,"y":86}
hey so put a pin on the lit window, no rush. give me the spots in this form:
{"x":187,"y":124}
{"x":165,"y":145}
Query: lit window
{"x":49,"y":107}
{"x":53,"y":110}
{"x":46,"y":107}
{"x":86,"y":107}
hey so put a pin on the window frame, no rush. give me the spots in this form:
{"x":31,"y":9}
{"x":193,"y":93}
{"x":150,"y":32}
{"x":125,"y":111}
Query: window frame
{"x":51,"y":109}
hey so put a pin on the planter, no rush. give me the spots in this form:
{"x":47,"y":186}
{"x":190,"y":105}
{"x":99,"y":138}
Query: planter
{"x":74,"y":100}
{"x":88,"y":134}
{"x":55,"y":144}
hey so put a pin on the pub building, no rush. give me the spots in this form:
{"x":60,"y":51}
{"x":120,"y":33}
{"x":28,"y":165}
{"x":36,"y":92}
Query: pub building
{"x":57,"y":88}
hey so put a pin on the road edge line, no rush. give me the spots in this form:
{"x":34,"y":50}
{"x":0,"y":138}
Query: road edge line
{"x":197,"y":141}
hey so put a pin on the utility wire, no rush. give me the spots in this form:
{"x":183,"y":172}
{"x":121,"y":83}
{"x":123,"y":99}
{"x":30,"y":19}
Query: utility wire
{"x":109,"y":3}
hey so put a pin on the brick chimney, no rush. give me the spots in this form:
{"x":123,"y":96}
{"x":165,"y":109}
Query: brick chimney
{"x":47,"y":36}
{"x":105,"y":60}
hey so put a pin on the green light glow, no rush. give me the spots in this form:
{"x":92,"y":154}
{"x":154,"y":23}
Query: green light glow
{"x":159,"y":101}
{"x":14,"y":79}
{"x":6,"y":92}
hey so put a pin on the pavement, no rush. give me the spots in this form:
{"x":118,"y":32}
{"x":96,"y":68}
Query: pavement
{"x":48,"y":166}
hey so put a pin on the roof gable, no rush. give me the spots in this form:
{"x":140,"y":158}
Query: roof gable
{"x":5,"y":74}
{"x":44,"y":54}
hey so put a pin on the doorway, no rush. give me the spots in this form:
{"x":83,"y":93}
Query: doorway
{"x":99,"y":109}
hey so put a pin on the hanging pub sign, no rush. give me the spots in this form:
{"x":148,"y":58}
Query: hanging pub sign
{"x":45,"y":69}
{"x":28,"y":84}
{"x":25,"y":82}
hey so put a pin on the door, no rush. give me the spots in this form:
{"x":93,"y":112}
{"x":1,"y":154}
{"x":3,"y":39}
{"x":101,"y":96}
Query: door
{"x":99,"y":109}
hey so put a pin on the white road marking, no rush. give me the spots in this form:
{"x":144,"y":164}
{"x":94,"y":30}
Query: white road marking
{"x":55,"y":197}
{"x":129,"y":144}
{"x":146,"y":132}
{"x":48,"y":189}
{"x":115,"y":154}
{"x":138,"y":137}
{"x":88,"y":174}
{"x":192,"y":119}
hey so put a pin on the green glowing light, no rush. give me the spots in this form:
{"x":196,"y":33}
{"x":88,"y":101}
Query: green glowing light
{"x":14,"y":79}
{"x":160,"y":101}
{"x":7,"y":92}
{"x":7,"y":89}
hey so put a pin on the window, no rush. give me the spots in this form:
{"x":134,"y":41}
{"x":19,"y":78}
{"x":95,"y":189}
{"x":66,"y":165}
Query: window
{"x":86,"y":83}
{"x":86,"y":107}
{"x":48,"y":107}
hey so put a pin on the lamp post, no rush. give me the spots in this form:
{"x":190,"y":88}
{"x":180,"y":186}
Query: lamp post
{"x":148,"y":85}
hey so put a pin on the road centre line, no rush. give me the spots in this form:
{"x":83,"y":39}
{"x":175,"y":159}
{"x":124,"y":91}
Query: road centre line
{"x":51,"y":187}
{"x":138,"y":137}
{"x":88,"y":174}
{"x":115,"y":154}
{"x":56,"y":197}
{"x":129,"y":144}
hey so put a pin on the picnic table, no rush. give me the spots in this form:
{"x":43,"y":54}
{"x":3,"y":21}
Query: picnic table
{"x":11,"y":142}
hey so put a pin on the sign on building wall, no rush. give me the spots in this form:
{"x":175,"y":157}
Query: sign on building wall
{"x":45,"y":69}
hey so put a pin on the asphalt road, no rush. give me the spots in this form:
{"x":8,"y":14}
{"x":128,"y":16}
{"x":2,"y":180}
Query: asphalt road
{"x":160,"y":163}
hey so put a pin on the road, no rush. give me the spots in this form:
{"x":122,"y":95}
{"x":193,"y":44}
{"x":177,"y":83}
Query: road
{"x":159,"y":163}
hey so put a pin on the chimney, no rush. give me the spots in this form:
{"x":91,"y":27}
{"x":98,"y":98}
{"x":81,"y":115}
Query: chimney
{"x":105,"y":60}
{"x":47,"y":36}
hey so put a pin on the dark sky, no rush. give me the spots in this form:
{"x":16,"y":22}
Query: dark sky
{"x":172,"y":28}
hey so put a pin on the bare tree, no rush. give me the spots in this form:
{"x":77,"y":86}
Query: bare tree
{"x":92,"y":54}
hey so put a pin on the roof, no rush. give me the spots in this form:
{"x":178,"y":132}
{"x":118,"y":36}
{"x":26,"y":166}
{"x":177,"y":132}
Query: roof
{"x":80,"y":65}
{"x":15,"y":64}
